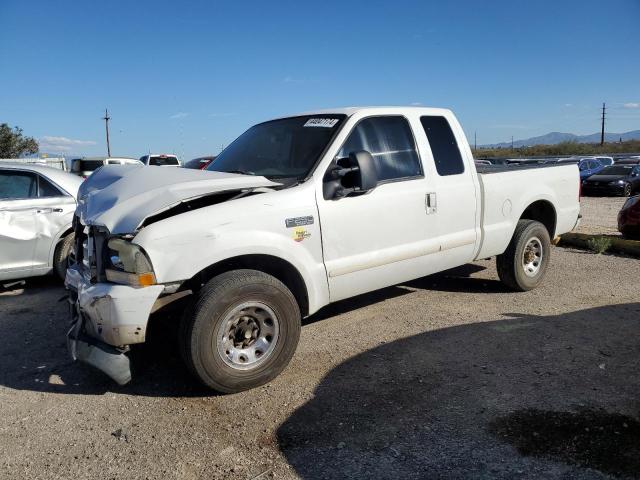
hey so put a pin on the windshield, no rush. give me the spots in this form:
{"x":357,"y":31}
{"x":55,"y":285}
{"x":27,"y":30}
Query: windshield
{"x":286,"y":148}
{"x":617,"y":170}
{"x":163,"y":161}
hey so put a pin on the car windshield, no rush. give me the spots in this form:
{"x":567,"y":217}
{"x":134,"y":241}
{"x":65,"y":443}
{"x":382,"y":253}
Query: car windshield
{"x":617,"y":170}
{"x":163,"y":160}
{"x":285,"y":148}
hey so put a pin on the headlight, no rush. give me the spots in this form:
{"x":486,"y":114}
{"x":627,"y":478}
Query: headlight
{"x":617,"y":182}
{"x":131,"y":266}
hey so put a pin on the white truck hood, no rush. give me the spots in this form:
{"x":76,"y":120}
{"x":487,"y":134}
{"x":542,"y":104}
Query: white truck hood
{"x":121,"y":197}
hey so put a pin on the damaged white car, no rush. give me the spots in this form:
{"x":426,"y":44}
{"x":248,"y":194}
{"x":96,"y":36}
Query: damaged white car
{"x":297,"y":213}
{"x":36,"y":210}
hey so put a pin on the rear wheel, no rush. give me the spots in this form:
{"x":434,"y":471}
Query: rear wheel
{"x":241,"y":331}
{"x":61,"y":255}
{"x":524,"y":263}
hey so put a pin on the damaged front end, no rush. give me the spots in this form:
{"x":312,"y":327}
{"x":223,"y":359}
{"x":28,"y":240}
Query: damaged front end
{"x":107,"y":316}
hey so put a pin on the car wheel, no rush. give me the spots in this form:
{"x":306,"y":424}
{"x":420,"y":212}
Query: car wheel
{"x":627,"y":190}
{"x":241,"y":331}
{"x":524,"y":263}
{"x":61,"y":255}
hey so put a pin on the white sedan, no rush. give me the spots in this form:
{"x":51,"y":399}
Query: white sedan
{"x":36,"y":210}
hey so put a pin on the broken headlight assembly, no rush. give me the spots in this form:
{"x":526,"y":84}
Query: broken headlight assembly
{"x":129,"y":264}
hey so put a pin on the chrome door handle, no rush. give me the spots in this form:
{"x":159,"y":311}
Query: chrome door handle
{"x":431,"y":203}
{"x":57,"y":210}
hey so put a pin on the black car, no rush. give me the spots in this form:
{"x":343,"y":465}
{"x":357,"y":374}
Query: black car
{"x":199,"y":163}
{"x":614,"y":180}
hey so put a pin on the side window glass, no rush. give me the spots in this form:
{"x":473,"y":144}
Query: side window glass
{"x":17,"y":185}
{"x":47,"y":189}
{"x":444,"y":147}
{"x":390,"y":142}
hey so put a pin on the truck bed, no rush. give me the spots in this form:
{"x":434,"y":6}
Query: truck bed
{"x":487,"y":169}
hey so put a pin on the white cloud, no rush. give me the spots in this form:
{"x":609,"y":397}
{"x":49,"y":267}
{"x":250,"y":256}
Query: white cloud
{"x":62,"y":144}
{"x":221,"y":114}
{"x":568,"y":104}
{"x":179,"y":115}
{"x":631,"y":105}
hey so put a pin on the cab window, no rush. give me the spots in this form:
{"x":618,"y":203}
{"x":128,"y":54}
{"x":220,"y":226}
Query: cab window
{"x":444,"y":147}
{"x":390,"y":141}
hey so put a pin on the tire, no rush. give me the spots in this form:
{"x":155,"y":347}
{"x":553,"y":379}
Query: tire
{"x":240,"y":331}
{"x":511,"y":264}
{"x":61,"y":256}
{"x":627,"y":190}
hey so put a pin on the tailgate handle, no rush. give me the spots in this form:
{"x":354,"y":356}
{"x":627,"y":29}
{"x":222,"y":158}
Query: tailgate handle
{"x":431,"y":203}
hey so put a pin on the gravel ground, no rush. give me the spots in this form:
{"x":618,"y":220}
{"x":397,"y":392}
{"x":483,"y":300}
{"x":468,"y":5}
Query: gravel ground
{"x":449,"y":376}
{"x":600,"y":215}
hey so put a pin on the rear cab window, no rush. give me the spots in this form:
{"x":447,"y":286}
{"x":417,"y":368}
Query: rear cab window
{"x":163,"y":160}
{"x":444,"y":147}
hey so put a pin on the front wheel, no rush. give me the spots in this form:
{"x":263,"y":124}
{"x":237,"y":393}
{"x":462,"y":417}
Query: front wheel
{"x":241,"y":331}
{"x":524,"y":263}
{"x":627,"y":190}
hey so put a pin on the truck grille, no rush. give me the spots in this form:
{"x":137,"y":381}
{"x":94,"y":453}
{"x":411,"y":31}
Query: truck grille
{"x":90,"y":249}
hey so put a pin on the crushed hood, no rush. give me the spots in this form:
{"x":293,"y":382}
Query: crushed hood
{"x":121,"y":197}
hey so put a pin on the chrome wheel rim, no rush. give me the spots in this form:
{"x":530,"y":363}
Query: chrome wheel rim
{"x":248,"y":335}
{"x":532,"y":257}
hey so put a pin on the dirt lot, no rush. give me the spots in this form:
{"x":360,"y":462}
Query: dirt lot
{"x":445,"y":377}
{"x":600,"y":214}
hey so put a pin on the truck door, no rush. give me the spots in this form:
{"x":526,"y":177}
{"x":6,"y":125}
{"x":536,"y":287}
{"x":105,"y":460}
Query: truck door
{"x":455,"y":188}
{"x":387,"y":235}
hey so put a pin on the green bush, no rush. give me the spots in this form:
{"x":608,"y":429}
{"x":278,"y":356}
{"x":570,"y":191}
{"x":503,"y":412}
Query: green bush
{"x":599,"y":244}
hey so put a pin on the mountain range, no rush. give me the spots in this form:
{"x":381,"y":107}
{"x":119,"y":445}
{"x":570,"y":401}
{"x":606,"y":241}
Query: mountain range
{"x":554,"y":138}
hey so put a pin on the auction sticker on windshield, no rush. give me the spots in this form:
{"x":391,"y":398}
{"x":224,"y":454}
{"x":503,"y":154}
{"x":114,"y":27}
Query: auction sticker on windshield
{"x":321,"y":122}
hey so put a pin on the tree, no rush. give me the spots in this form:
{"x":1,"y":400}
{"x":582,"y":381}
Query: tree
{"x":13,"y":144}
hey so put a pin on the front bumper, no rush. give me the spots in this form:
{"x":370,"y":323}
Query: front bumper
{"x":106,"y":318}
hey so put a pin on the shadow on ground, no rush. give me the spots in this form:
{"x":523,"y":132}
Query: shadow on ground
{"x":525,"y":397}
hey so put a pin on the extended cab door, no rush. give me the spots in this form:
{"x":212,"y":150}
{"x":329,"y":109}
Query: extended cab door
{"x":455,"y":185}
{"x":387,"y":235}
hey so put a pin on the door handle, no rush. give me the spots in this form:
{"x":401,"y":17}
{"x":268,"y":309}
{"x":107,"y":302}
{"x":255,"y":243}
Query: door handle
{"x":44,"y":210}
{"x":431,"y":203}
{"x":57,"y":210}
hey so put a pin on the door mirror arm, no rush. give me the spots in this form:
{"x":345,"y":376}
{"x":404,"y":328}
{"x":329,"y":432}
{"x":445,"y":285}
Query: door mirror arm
{"x":355,"y":174}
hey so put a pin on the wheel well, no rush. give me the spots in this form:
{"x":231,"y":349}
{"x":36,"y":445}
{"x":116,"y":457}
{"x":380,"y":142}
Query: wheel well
{"x":275,"y":266}
{"x":543,"y":212}
{"x":58,"y":242}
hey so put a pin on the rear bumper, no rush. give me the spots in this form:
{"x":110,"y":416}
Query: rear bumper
{"x":106,"y":318}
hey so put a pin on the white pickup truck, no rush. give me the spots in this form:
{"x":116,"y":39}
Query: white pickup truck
{"x":298,"y":212}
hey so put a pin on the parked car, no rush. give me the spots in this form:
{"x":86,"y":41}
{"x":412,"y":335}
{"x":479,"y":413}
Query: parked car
{"x":606,"y":161}
{"x":395,"y":190}
{"x":87,"y":165}
{"x":629,"y":218}
{"x":160,"y":160}
{"x":588,"y":167}
{"x":199,"y":163}
{"x":36,"y":209}
{"x":619,"y":179}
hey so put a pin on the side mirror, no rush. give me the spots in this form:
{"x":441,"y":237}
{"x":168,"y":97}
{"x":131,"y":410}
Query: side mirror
{"x":355,"y":174}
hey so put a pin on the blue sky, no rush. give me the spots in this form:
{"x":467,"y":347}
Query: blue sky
{"x":187,"y":77}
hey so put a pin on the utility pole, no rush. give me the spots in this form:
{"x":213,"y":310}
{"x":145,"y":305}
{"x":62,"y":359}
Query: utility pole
{"x":106,"y":119}
{"x":511,"y":142}
{"x":602,"y":132}
{"x":475,"y":141}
